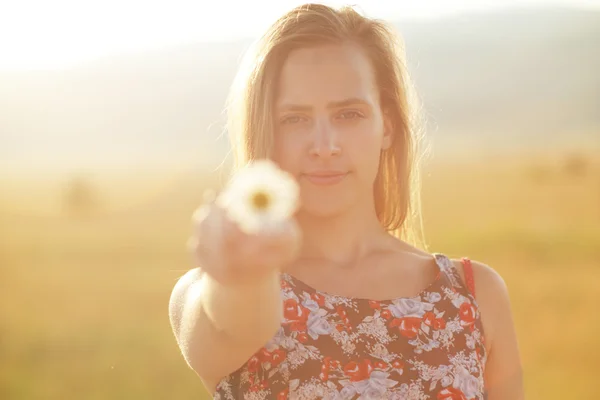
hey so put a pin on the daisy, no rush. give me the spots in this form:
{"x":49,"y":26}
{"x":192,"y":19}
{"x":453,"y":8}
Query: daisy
{"x":259,"y":196}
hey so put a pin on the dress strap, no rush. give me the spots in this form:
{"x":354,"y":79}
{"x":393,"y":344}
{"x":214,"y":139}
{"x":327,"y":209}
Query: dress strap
{"x":468,"y":267}
{"x":445,"y":265}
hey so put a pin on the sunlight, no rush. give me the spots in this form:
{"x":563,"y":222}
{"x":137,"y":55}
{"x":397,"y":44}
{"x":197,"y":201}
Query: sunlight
{"x":37,"y":34}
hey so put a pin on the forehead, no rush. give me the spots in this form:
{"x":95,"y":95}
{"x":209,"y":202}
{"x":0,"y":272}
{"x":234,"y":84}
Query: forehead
{"x":318,"y":75}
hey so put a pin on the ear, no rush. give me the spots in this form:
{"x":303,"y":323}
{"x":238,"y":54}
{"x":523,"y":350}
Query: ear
{"x":387,"y":139}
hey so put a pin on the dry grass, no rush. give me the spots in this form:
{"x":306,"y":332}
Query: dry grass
{"x":83,"y":301}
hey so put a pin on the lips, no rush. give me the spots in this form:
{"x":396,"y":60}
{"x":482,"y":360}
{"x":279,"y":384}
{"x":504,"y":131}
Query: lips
{"x":325,"y":178}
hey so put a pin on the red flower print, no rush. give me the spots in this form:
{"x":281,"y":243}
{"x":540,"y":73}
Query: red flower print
{"x":386,"y":314}
{"x":253,"y":364}
{"x":374,"y":304}
{"x":297,"y":326}
{"x":292,"y":311}
{"x":319,"y":298}
{"x":451,"y":393}
{"x":283,"y":395}
{"x":428,"y":318}
{"x":467,"y":314}
{"x":264,"y":355}
{"x":395,"y":322}
{"x":409,"y":327}
{"x":264,"y":385}
{"x":358,"y":371}
{"x":439,"y":323}
{"x":302,"y":337}
{"x":324,"y":376}
{"x":278,"y":357}
{"x":329,"y":363}
{"x":397,"y":364}
{"x":381,"y":365}
{"x":341,"y":312}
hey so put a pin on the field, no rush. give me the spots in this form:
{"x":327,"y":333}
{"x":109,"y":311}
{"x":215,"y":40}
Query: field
{"x":83,"y":295}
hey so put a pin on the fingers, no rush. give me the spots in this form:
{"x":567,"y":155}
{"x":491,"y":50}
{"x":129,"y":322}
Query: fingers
{"x":274,"y":250}
{"x":206,"y":240}
{"x":228,"y":254}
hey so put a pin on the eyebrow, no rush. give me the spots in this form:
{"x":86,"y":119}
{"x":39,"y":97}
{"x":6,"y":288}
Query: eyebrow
{"x":334,"y":104}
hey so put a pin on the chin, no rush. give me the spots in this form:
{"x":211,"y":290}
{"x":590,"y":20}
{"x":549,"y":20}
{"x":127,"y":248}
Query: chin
{"x":325,"y":206}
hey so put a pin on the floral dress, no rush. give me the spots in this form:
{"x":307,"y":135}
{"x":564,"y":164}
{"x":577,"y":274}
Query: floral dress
{"x":430,"y":346}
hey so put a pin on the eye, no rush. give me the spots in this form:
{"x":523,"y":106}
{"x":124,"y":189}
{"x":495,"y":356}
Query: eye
{"x":292,"y":119}
{"x":350,"y":114}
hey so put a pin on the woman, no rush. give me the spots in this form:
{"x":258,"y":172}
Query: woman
{"x":335,"y":302}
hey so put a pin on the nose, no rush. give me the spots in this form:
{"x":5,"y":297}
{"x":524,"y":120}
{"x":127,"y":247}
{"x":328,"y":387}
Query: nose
{"x":324,"y":143}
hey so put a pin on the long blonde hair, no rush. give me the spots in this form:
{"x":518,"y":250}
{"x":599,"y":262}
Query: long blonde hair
{"x":252,"y":96}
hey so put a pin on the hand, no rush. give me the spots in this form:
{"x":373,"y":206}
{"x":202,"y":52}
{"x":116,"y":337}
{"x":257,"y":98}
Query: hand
{"x":233,"y":257}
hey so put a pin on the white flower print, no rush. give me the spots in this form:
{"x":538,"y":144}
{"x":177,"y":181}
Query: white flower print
{"x":454,"y":326}
{"x":311,"y":304}
{"x":301,"y":354}
{"x":409,"y":308}
{"x":446,"y":381}
{"x":466,"y":382}
{"x":347,"y":392}
{"x":338,"y":348}
{"x":349,"y":347}
{"x":317,"y":324}
{"x":259,"y":395}
{"x":289,"y":294}
{"x":470,"y":341}
{"x":381,"y":352}
{"x":453,"y":296}
{"x":433,"y":297}
{"x":372,"y":393}
{"x":375,"y":328}
{"x":459,"y":300}
{"x":409,"y":392}
{"x":373,"y":387}
{"x":307,"y":391}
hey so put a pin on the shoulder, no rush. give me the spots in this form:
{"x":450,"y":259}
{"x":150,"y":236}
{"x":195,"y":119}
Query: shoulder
{"x":492,"y":297}
{"x":503,"y":368}
{"x":179,"y":294}
{"x":184,"y":282}
{"x":488,"y":281}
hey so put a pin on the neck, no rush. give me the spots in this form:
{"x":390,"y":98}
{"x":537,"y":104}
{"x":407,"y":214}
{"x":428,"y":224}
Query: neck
{"x":343,"y":238}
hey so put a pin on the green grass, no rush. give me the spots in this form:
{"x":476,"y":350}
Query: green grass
{"x":83,"y":301}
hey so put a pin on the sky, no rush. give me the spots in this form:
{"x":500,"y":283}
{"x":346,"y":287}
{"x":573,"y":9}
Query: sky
{"x":54,"y":34}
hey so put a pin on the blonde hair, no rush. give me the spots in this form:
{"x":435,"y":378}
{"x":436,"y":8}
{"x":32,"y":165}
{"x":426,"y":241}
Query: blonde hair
{"x":252,"y":96}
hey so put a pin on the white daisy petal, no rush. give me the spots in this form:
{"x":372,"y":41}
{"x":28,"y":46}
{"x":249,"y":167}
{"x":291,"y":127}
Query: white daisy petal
{"x":260,"y":195}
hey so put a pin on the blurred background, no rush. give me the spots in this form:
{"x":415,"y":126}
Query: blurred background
{"x":111,"y":127}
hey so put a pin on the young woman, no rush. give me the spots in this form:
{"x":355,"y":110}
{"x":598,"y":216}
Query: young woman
{"x":337,"y":302}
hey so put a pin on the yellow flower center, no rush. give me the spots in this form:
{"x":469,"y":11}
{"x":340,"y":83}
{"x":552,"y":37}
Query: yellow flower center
{"x":260,"y":201}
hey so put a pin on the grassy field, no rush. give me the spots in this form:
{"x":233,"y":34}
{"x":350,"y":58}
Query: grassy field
{"x":83,"y":300}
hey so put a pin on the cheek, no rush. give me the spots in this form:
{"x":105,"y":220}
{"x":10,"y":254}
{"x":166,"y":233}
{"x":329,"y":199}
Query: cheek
{"x":286,"y":154}
{"x":366,"y":150}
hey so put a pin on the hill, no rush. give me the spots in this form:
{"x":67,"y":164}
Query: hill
{"x":509,"y":81}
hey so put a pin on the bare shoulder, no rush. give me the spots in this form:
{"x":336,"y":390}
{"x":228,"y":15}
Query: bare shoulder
{"x":504,"y":377}
{"x":186,"y":280}
{"x":178,"y":296}
{"x":488,"y":282}
{"x":183,"y":284}
{"x":492,"y":295}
